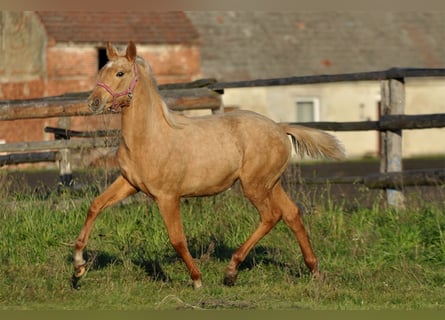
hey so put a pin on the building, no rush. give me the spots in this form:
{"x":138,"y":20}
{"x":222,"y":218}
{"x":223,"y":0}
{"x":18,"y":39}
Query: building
{"x":52,"y":53}
{"x":254,"y":45}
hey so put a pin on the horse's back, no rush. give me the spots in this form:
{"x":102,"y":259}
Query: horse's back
{"x":245,"y":128}
{"x":259,"y":131}
{"x":266,"y":148}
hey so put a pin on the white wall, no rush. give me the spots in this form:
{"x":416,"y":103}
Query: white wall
{"x":424,"y":96}
{"x":352,"y":101}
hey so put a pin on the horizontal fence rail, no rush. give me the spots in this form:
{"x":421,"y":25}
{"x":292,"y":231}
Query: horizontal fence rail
{"x":75,"y":144}
{"x":393,"y":73}
{"x":178,"y":97}
{"x":102,"y":138}
{"x":392,"y":180}
{"x":388,"y":122}
{"x":60,"y":133}
{"x":34,"y":157}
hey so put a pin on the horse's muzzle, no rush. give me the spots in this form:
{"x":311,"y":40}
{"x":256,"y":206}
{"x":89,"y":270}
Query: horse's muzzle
{"x":95,"y":104}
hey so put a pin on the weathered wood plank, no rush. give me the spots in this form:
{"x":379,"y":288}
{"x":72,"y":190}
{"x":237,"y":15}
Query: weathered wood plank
{"x":393,"y":73}
{"x":341,"y":126}
{"x":399,"y":180}
{"x":392,"y":180}
{"x":200,"y":83}
{"x":17,"y":158}
{"x":403,"y":121}
{"x":387,"y":122}
{"x":59,"y":144}
{"x":65,"y":170}
{"x":67,"y":133}
{"x":75,"y":104}
{"x":393,"y":103}
{"x":192,"y":99}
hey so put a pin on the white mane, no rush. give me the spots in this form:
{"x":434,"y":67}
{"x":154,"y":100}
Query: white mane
{"x":172,"y":119}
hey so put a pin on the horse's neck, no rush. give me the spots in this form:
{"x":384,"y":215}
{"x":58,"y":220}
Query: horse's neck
{"x":145,"y":117}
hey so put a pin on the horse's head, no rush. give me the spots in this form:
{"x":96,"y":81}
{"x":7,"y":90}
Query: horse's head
{"x":116,"y":81}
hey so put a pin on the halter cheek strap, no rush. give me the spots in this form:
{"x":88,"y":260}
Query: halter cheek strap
{"x":128,"y":92}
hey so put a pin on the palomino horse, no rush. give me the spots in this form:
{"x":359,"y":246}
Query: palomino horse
{"x":168,"y":156}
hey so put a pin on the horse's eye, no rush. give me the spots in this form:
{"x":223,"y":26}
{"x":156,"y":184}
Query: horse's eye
{"x":119,"y":74}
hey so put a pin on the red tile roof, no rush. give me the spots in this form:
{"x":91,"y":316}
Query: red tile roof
{"x":119,"y":27}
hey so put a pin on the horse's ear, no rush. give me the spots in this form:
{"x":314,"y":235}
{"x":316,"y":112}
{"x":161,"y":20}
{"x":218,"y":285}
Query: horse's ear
{"x":111,"y":51}
{"x":131,"y":52}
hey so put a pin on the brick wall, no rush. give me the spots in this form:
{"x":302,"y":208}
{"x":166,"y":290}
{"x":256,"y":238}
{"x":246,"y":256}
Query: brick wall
{"x":70,"y":69}
{"x":33,"y":65}
{"x":173,"y":63}
{"x":73,"y":68}
{"x":22,"y":89}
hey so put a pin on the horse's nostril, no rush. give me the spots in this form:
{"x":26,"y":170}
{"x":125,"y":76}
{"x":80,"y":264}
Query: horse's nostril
{"x":94,"y":103}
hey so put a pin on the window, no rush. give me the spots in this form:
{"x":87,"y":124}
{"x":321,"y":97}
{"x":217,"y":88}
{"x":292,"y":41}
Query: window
{"x":102,"y":58}
{"x":307,"y":110}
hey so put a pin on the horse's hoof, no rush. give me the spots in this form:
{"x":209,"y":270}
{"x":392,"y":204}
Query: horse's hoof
{"x":317,"y":275}
{"x":79,"y":271}
{"x":75,"y":282}
{"x":230,"y":279}
{"x":197,"y":284}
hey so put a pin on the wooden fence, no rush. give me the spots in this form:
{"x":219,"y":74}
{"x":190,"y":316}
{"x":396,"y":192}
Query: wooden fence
{"x":206,"y":94}
{"x":391,"y":123}
{"x":179,"y":97}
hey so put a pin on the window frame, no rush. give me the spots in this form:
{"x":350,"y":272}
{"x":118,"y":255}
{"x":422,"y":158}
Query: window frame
{"x":315,"y":105}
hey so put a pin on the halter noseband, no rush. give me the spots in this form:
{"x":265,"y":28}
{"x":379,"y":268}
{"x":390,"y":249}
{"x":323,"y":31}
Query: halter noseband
{"x":128,"y":92}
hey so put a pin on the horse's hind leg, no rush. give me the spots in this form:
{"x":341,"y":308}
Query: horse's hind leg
{"x":269,"y":218}
{"x":117,"y":191}
{"x":274,"y":205}
{"x":292,"y":217}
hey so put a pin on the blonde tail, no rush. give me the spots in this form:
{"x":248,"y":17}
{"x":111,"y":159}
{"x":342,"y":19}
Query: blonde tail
{"x":314,"y":143}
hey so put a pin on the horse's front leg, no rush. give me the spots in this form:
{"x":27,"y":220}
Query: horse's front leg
{"x":169,"y":209}
{"x":117,"y":191}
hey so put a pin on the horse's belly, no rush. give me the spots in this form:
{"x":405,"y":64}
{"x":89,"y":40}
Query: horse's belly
{"x":208,"y":182}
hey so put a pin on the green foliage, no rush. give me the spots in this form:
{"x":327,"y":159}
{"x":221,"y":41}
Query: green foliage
{"x":373,"y":258}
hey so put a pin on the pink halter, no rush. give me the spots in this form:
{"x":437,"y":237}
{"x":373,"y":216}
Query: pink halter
{"x":128,"y":92}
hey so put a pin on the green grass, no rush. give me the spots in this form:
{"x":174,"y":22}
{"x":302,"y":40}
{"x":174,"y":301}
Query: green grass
{"x":372,"y":258}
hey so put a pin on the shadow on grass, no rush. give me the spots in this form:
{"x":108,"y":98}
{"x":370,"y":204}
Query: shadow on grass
{"x":98,"y":260}
{"x":260,"y":255}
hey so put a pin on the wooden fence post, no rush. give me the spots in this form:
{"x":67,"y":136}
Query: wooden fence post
{"x":393,"y":102}
{"x":66,"y":174}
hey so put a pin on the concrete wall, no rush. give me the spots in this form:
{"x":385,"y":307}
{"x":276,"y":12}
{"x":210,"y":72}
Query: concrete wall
{"x":424,"y":96}
{"x":22,"y":70}
{"x":22,"y":59}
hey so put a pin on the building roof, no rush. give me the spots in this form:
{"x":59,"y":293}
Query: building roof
{"x":119,"y":27}
{"x":256,"y":44}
